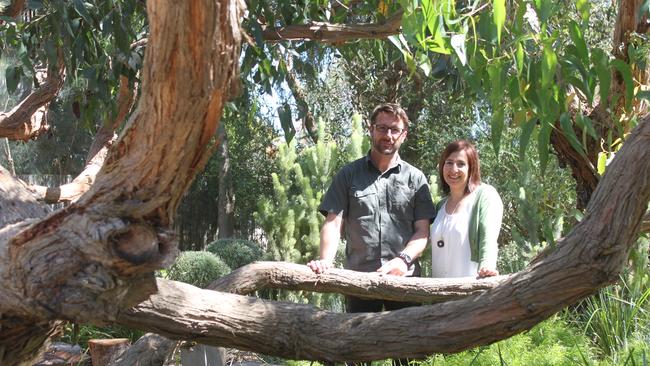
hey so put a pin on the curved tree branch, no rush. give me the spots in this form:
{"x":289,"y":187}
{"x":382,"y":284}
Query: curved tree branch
{"x":291,"y":276}
{"x":301,"y":99}
{"x":95,"y":256}
{"x":335,"y":33}
{"x":590,"y":257}
{"x":28,"y":119}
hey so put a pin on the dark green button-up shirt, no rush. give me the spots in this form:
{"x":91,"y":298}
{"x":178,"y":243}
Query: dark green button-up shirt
{"x":379,"y":210}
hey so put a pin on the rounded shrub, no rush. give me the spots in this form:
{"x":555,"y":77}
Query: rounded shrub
{"x":236,"y":252}
{"x":197,"y":268}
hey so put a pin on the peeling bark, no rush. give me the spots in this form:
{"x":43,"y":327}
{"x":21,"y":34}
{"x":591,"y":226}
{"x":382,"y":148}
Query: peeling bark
{"x":95,"y":256}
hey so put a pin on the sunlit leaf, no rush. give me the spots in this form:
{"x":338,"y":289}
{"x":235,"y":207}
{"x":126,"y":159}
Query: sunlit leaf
{"x":519,"y":57}
{"x":499,"y":16}
{"x":424,"y":63}
{"x":549,"y":64}
{"x":602,"y":162}
{"x":578,"y":40}
{"x":583,"y":7}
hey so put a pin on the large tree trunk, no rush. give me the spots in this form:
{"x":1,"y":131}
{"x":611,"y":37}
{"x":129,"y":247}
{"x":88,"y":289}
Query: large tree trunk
{"x":96,"y":256}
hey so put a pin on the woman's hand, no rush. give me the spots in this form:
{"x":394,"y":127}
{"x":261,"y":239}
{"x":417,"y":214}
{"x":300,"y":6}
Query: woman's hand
{"x":487,"y":272}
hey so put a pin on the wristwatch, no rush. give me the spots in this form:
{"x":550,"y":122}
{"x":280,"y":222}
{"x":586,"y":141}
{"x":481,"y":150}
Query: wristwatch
{"x":406,"y":258}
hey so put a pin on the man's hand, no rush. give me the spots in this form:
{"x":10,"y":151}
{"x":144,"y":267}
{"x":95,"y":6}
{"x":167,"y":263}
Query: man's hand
{"x":487,"y":272}
{"x":395,"y":266}
{"x":320,"y":265}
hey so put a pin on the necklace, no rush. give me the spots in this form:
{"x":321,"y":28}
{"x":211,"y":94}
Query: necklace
{"x":441,"y":243}
{"x":455,"y":206}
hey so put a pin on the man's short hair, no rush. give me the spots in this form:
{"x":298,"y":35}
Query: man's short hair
{"x":392,"y":109}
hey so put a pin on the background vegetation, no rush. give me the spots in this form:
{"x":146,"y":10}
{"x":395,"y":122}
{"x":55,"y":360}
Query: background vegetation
{"x":280,"y":164}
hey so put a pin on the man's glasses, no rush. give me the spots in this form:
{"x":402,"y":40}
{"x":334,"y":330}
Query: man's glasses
{"x":393,"y":130}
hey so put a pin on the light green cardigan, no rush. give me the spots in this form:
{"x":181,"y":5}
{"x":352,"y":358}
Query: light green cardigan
{"x":484,"y":226}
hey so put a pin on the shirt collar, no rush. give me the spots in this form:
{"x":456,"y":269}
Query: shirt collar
{"x":397,"y":166}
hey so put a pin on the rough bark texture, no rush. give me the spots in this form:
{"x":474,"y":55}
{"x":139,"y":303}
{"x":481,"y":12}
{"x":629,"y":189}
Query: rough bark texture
{"x":334,"y":33}
{"x":92,"y":258}
{"x":29,"y":118}
{"x":104,"y":352}
{"x":291,"y":276}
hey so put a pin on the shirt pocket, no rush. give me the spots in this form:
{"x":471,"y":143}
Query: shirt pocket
{"x":363,"y":202}
{"x":402,"y":204}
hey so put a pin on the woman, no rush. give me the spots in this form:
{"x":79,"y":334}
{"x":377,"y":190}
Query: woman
{"x":464,"y":234}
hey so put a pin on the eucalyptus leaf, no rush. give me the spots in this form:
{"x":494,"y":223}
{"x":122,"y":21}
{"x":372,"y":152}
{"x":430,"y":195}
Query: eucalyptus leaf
{"x":543,"y":142}
{"x":579,"y":42}
{"x":569,"y":133}
{"x":12,"y":77}
{"x":496,"y":128}
{"x":499,"y":16}
{"x":286,"y":121}
{"x":524,"y":138}
{"x":601,"y":65}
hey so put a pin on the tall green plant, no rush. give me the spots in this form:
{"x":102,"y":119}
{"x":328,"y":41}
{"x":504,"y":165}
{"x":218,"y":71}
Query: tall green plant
{"x":618,"y":317}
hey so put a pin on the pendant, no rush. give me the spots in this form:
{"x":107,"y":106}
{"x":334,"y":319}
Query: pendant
{"x":440,"y":243}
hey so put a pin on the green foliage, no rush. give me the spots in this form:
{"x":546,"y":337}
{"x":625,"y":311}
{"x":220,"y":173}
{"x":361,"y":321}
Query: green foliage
{"x":618,"y":317}
{"x":93,"y":39}
{"x":236,"y":252}
{"x":197,"y":268}
{"x":529,"y":70}
{"x":552,"y":342}
{"x":291,"y":219}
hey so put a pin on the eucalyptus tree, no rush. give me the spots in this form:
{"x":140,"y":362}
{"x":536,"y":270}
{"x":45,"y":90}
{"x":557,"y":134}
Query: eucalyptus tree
{"x":93,"y":260}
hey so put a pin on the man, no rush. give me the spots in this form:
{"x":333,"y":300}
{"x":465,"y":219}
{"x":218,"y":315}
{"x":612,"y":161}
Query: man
{"x":384,"y":205}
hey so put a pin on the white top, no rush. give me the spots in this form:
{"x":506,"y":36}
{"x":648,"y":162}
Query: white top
{"x":449,"y":238}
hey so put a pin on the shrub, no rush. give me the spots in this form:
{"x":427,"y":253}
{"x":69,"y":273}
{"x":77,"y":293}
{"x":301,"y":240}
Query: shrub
{"x":236,"y":252}
{"x":197,"y":268}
